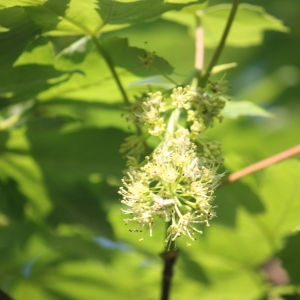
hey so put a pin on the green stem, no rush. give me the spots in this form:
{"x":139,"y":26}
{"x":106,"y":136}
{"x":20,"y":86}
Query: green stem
{"x":262,"y":164}
{"x":164,"y":75}
{"x":111,"y":66}
{"x":204,"y":78}
{"x":173,"y":121}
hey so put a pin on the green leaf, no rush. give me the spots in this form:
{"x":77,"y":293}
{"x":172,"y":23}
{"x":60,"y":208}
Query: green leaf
{"x":82,"y":60}
{"x":16,"y":115}
{"x":235,"y":109}
{"x":75,"y":113}
{"x":13,"y":41}
{"x":12,"y":201}
{"x":158,"y":81}
{"x":138,"y":11}
{"x":279,"y":192}
{"x":88,"y":83}
{"x":33,"y":71}
{"x":182,"y":1}
{"x":289,"y":256}
{"x":12,"y":3}
{"x":3,"y":29}
{"x":77,"y":203}
{"x":17,"y":165}
{"x":29,"y":80}
{"x":64,"y":17}
{"x":39,"y":51}
{"x":248,"y":27}
{"x":79,"y":153}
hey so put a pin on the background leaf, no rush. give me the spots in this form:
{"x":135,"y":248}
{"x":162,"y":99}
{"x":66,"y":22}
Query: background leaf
{"x":13,"y":42}
{"x":244,"y":32}
{"x":248,"y":29}
{"x":89,"y":17}
{"x":292,"y":246}
{"x":234,"y":109}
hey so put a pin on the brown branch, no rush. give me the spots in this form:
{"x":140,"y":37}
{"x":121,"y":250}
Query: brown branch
{"x":169,"y":258}
{"x":4,"y":296}
{"x":262,"y":164}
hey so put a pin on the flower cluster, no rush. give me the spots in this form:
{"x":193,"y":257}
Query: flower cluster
{"x":177,"y":181}
{"x":173,"y":185}
{"x":202,"y":106}
{"x":148,"y":112}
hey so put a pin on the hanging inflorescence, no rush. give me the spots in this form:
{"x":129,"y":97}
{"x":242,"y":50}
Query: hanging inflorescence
{"x":176,"y":182}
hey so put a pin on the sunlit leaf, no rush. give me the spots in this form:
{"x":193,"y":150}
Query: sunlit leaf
{"x":3,"y":29}
{"x":88,"y":83}
{"x":14,"y":40}
{"x":138,"y":11}
{"x":22,"y":168}
{"x":181,"y":1}
{"x":248,"y":28}
{"x":39,"y":51}
{"x":16,"y":115}
{"x":61,"y":17}
{"x":75,"y":113}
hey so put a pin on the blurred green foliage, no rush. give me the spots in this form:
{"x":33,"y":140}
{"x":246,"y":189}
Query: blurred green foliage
{"x":61,"y":125}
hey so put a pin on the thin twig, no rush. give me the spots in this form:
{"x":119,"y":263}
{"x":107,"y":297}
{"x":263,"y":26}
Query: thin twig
{"x":219,"y":49}
{"x":110,"y":64}
{"x":199,"y":43}
{"x":262,"y":164}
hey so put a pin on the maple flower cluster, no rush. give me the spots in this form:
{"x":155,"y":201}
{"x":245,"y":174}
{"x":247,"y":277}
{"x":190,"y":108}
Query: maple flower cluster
{"x":177,"y":181}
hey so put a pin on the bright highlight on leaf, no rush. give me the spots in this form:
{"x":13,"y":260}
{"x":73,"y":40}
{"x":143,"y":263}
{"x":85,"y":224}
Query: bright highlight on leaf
{"x":248,"y":29}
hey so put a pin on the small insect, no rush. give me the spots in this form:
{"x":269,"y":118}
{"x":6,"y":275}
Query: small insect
{"x":148,"y":58}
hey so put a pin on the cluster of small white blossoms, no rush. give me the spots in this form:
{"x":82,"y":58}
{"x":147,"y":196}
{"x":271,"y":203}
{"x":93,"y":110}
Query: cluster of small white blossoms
{"x":177,"y":181}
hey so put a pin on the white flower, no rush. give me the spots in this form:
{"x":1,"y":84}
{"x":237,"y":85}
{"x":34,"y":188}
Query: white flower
{"x":177,"y":181}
